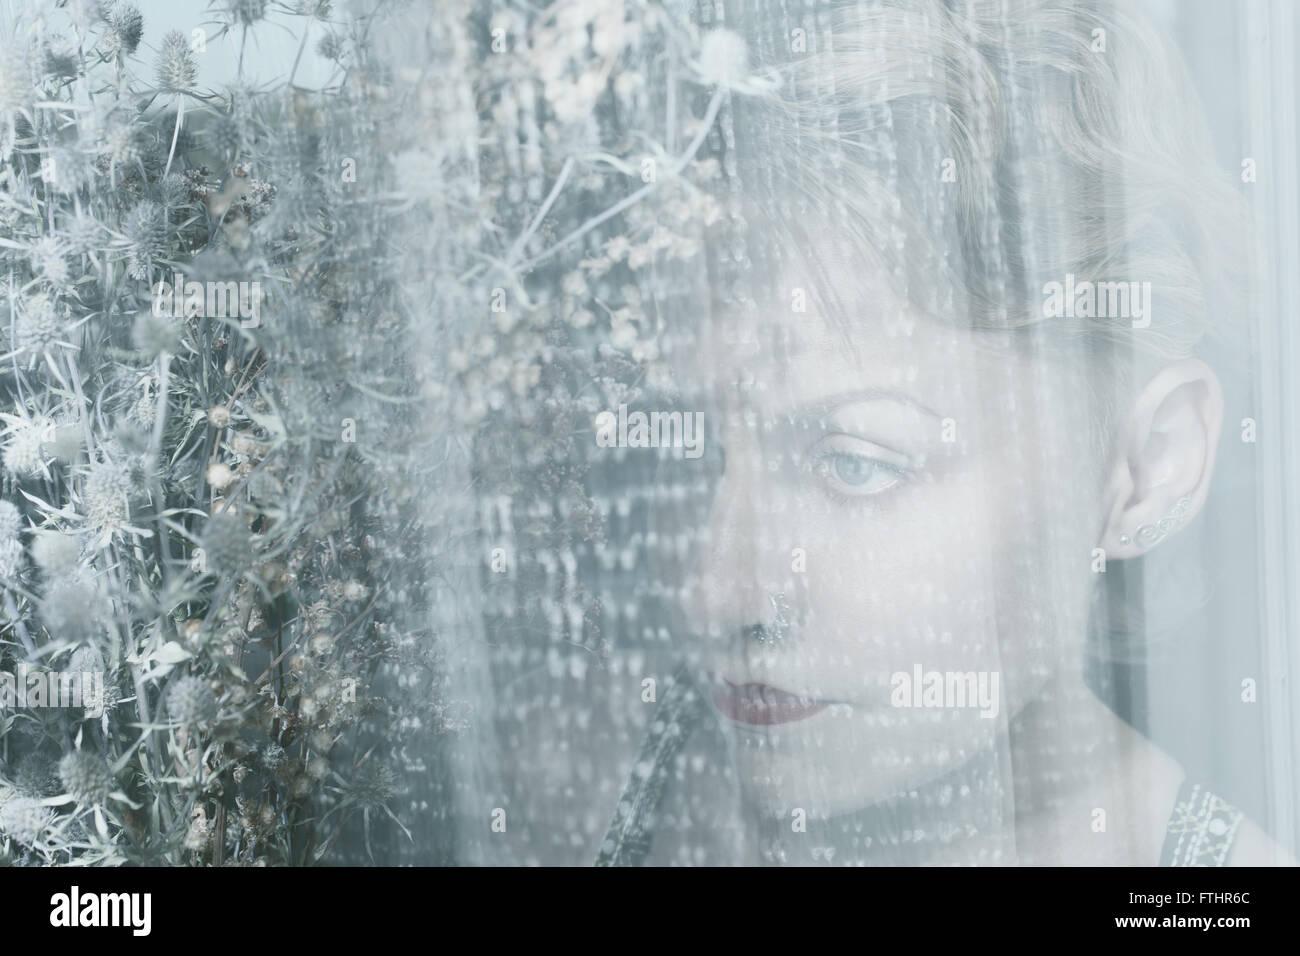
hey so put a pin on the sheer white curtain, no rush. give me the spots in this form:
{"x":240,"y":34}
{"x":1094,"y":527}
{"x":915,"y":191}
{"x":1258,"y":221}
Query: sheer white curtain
{"x":620,"y":206}
{"x":569,"y":643}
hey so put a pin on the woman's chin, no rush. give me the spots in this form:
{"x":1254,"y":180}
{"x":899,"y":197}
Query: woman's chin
{"x":843,"y":759}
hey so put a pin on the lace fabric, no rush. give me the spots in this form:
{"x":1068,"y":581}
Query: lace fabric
{"x":1202,"y":828}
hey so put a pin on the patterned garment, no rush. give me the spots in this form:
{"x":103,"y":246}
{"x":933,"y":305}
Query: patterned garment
{"x":1201,"y":829}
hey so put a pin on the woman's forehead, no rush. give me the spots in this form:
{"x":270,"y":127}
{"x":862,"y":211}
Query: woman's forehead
{"x":780,"y":359}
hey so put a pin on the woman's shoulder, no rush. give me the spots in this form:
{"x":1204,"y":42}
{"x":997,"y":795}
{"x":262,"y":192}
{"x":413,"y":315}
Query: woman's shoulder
{"x":1194,"y":825}
{"x":1202,"y":828}
{"x":1254,"y":847}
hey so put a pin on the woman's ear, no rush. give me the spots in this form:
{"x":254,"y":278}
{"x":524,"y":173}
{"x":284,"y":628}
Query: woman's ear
{"x":1161,"y":470}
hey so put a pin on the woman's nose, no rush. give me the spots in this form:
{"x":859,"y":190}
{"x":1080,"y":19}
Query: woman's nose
{"x":740,"y":554}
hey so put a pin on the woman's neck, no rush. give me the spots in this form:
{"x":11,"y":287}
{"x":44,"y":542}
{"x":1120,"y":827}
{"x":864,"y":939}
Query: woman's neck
{"x":1088,"y":788}
{"x":1073,"y":784}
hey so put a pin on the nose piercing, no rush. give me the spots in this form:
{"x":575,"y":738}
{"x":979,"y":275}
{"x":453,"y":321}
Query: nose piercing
{"x":773,"y":632}
{"x":1149,"y":534}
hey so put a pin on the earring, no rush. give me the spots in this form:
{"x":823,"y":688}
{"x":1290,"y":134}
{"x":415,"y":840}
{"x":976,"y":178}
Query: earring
{"x":773,"y":632}
{"x":1148,"y":534}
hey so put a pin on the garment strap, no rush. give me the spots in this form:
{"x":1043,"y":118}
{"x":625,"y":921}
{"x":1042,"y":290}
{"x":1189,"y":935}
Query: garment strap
{"x":627,"y":841}
{"x":1201,"y":829}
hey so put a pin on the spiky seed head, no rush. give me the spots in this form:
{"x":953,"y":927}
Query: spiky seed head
{"x":83,"y":233}
{"x":37,"y":326}
{"x":49,"y":260}
{"x":11,"y":546}
{"x":24,"y":820}
{"x":146,"y":226}
{"x":72,"y":610}
{"x":177,"y":70}
{"x":22,"y":452}
{"x":191,"y":703}
{"x":373,"y":786}
{"x":246,"y":12}
{"x":330,"y":47}
{"x":147,"y":229}
{"x":11,"y":522}
{"x":104,"y":494}
{"x":37,"y":775}
{"x":175,"y":191}
{"x":86,"y":660}
{"x":56,"y":553}
{"x":86,"y":777}
{"x":227,"y":543}
{"x":126,"y":27}
{"x":143,"y":410}
{"x":120,"y":142}
{"x":59,"y":57}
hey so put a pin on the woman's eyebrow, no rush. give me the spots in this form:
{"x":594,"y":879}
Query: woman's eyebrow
{"x":832,"y":403}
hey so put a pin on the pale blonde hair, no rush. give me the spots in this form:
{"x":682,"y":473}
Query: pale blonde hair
{"x":1071,"y":136}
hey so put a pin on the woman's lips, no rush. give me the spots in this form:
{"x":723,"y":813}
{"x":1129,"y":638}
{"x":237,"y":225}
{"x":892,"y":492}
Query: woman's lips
{"x":762,"y":704}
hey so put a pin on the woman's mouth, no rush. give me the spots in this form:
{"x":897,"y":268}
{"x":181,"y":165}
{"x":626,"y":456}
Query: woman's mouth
{"x":762,"y":704}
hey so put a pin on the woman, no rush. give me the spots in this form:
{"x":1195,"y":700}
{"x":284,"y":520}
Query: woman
{"x":934,"y":468}
{"x":968,"y":259}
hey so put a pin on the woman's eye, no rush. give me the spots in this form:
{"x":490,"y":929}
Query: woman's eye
{"x":856,"y":475}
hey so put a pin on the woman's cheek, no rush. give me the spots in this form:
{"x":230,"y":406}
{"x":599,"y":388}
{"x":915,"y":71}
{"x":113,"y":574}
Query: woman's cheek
{"x":905,"y":584}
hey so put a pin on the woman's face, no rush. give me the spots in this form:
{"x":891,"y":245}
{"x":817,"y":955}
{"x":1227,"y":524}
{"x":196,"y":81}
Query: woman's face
{"x":910,"y":499}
